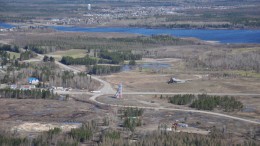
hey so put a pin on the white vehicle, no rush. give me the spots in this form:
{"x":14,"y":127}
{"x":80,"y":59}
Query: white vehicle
{"x":95,"y":91}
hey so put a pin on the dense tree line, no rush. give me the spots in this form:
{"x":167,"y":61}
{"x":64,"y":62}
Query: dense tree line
{"x":208,"y":102}
{"x":52,"y":43}
{"x":27,"y":55}
{"x":132,"y":118}
{"x":36,"y":49}
{"x":118,"y":57}
{"x":9,"y":48}
{"x":27,"y":94}
{"x":4,"y":57}
{"x":155,"y":40}
{"x":78,"y":61}
{"x":181,"y":99}
{"x":46,"y":59}
{"x":132,"y":112}
{"x":103,"y":69}
{"x":106,"y":57}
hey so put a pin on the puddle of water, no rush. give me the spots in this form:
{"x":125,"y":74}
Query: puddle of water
{"x":249,"y":109}
{"x":152,"y":65}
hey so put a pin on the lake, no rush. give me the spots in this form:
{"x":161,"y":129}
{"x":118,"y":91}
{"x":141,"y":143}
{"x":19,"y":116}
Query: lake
{"x":222,"y":36}
{"x":5,"y":25}
{"x":152,"y":65}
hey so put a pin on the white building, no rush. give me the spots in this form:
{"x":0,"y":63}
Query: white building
{"x":89,"y":7}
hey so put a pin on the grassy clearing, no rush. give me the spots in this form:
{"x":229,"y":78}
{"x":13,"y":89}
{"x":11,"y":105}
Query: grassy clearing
{"x":75,"y":53}
{"x":17,"y":55}
{"x":246,"y":73}
{"x":245,"y":50}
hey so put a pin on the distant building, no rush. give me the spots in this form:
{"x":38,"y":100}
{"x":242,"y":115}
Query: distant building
{"x":89,"y":7}
{"x":22,"y":87}
{"x":33,"y":81}
{"x":3,"y":86}
{"x":183,"y":125}
{"x":27,"y":87}
{"x":59,"y":88}
{"x":13,"y":86}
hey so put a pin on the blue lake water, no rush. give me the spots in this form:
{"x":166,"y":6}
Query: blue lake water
{"x":153,"y":65}
{"x":5,"y":25}
{"x":222,"y":36}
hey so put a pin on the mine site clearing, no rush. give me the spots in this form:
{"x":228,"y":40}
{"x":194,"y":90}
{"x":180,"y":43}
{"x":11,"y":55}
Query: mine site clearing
{"x":142,"y":86}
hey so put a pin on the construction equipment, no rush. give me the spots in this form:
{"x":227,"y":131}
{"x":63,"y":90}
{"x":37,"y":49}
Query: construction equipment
{"x":175,"y":80}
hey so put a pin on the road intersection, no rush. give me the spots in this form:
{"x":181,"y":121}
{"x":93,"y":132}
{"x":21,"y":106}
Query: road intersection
{"x":106,"y":89}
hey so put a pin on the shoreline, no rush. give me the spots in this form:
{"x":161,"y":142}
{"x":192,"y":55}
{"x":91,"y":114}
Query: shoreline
{"x":124,"y":26}
{"x":212,"y":36}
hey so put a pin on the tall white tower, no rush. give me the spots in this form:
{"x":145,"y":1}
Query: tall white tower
{"x":119,"y":93}
{"x":89,"y":7}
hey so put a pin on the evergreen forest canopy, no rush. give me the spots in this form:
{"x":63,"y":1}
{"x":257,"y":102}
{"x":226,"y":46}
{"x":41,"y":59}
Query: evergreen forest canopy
{"x":207,"y":102}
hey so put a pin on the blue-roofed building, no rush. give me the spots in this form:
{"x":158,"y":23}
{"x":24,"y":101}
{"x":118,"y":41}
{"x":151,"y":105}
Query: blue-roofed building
{"x":33,"y":81}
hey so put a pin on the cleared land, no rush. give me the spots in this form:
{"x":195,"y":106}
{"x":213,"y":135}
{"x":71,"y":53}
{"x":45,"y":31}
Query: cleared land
{"x":148,"y":79}
{"x":72,"y":53}
{"x":161,"y":62}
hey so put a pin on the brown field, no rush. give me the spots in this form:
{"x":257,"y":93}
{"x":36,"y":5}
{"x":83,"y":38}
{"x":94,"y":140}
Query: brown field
{"x":147,"y":80}
{"x":27,"y":115}
{"x":15,"y":112}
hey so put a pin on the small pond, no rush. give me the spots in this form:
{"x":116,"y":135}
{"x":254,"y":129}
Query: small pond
{"x":151,"y":65}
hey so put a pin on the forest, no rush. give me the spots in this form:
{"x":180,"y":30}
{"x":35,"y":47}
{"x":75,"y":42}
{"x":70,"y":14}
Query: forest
{"x":43,"y":44}
{"x":112,"y":137}
{"x":27,"y":94}
{"x":119,"y":57}
{"x":4,"y":58}
{"x":26,"y":55}
{"x":105,"y":57}
{"x":78,"y":61}
{"x":104,"y":69}
{"x":4,"y":47}
{"x":207,"y":102}
{"x":181,"y":99}
{"x":49,"y":75}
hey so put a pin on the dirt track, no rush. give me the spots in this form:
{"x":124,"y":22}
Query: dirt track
{"x":107,"y":89}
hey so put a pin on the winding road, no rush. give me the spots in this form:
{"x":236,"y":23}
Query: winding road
{"x":106,"y":89}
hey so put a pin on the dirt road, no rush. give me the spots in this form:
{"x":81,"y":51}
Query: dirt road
{"x":107,"y":89}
